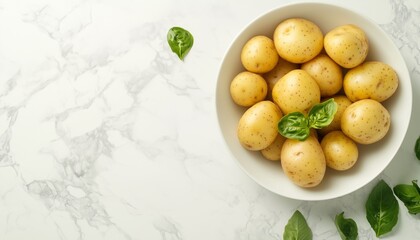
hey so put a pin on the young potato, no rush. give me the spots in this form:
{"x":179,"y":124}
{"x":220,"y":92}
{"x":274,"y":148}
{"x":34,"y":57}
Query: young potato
{"x":248,"y":88}
{"x":347,"y":45}
{"x":259,"y":54}
{"x":342,"y":103}
{"x":327,"y":74}
{"x":340,"y":151}
{"x":298,"y":40}
{"x":273,"y":151}
{"x":365,"y":121}
{"x":373,"y":79}
{"x":296,"y":91}
{"x":303,"y":162}
{"x":257,"y":127}
{"x":273,"y":76}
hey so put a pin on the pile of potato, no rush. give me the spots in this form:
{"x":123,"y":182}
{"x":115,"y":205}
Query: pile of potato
{"x":300,"y":67}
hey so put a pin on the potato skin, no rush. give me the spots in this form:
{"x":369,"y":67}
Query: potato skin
{"x":273,"y":76}
{"x":373,"y":79}
{"x":341,"y":153}
{"x":303,"y":162}
{"x":298,"y":40}
{"x":273,"y":151}
{"x":366,"y":121}
{"x":257,"y":128}
{"x":259,"y":54}
{"x":342,"y":103}
{"x":326,"y":73}
{"x":248,"y":88}
{"x":296,"y":91}
{"x":347,"y":45}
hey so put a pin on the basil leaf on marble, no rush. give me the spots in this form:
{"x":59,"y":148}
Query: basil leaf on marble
{"x":322,"y":114}
{"x":409,"y":195}
{"x":180,"y":41}
{"x":347,"y":227}
{"x":294,"y":126}
{"x":382,"y":209}
{"x":297,"y":228}
{"x":417,"y":148}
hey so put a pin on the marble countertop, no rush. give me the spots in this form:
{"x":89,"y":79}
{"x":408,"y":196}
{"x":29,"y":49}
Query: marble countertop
{"x":106,"y":134}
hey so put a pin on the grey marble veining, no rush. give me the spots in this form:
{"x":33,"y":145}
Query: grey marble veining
{"x":105,"y":134}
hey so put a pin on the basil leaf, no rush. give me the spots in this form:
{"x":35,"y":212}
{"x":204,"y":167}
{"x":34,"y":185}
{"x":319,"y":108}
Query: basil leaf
{"x":347,"y":227}
{"x":382,"y":209}
{"x":417,"y":148}
{"x":409,"y":195}
{"x":294,"y":125}
{"x":297,"y":228}
{"x":322,"y":114}
{"x":180,"y":41}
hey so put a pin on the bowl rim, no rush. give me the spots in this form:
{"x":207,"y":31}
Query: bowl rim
{"x":306,"y":4}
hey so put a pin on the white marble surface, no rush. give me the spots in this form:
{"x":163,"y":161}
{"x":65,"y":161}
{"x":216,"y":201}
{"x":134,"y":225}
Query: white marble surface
{"x":105,"y":134}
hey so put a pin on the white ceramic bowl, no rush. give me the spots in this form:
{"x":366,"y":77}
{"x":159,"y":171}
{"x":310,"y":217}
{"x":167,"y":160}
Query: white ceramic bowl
{"x":373,"y":159}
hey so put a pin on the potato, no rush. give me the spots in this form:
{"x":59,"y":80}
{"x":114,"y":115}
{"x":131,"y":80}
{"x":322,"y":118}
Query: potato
{"x":273,"y":152}
{"x":340,"y":151}
{"x":303,"y":162}
{"x":298,"y":40}
{"x":365,"y":121}
{"x":327,"y":74}
{"x":257,"y":127}
{"x":273,"y":76}
{"x":259,"y":55}
{"x":373,"y":79}
{"x":347,"y":45}
{"x":342,"y":103}
{"x":248,"y":88}
{"x":296,"y":91}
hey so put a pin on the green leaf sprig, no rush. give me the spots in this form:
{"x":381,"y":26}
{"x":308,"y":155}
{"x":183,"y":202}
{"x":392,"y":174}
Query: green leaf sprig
{"x":297,"y":228}
{"x":180,"y":41}
{"x":409,"y":195}
{"x":347,"y":227}
{"x":296,"y":126}
{"x":382,"y":209}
